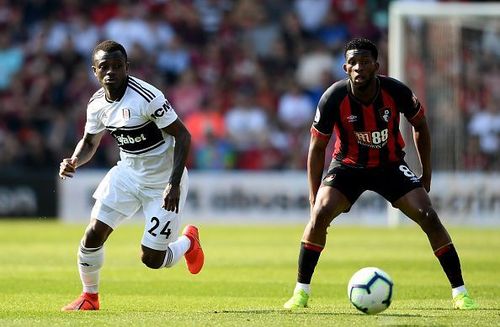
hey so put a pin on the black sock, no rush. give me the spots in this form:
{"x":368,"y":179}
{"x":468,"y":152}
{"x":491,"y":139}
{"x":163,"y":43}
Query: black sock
{"x":448,"y":258}
{"x":308,"y":259}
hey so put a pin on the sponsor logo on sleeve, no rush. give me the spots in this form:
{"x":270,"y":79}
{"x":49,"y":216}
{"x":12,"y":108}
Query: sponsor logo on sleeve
{"x":162,"y":110}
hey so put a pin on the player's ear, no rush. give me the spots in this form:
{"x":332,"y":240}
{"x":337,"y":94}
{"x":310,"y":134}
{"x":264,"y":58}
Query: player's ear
{"x":344,"y":67}
{"x":377,"y":66}
{"x":127,"y":66}
{"x":94,"y":69}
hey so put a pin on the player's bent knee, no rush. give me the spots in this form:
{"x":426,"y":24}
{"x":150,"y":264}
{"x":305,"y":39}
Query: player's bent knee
{"x":428,"y":218}
{"x":321,"y":218}
{"x":323,"y":215}
{"x":153,"y":260}
{"x":96,"y":234}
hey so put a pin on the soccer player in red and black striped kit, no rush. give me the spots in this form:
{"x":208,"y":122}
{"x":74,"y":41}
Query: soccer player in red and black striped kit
{"x":363,"y":111}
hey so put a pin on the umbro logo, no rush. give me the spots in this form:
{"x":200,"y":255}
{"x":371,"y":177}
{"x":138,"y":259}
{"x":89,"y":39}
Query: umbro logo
{"x":352,"y":118}
{"x":85,"y":264}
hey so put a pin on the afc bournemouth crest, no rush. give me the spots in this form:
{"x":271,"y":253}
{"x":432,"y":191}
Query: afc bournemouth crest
{"x":329,"y":178}
{"x":126,"y":114}
{"x":385,"y":114}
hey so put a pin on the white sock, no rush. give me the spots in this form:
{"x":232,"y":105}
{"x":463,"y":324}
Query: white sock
{"x":176,"y":250}
{"x":305,"y":287}
{"x":90,"y":261}
{"x":458,"y":290}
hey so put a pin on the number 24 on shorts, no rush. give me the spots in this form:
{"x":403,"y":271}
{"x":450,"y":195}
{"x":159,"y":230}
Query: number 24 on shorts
{"x":156,"y":224}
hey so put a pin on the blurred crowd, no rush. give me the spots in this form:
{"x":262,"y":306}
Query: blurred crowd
{"x":243,"y":75}
{"x":480,"y":100}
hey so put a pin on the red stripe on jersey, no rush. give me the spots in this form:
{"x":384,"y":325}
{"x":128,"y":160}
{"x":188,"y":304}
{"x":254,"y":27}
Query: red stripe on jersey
{"x":395,"y":143}
{"x":419,"y":115}
{"x":350,"y":158}
{"x":370,"y":122}
{"x":337,"y":141}
{"x":318,"y":134}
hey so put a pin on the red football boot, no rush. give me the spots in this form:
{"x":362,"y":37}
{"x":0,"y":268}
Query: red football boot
{"x":195,"y":257}
{"x":86,"y":301}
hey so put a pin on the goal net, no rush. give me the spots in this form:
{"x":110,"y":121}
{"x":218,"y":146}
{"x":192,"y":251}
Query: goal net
{"x":449,"y":54}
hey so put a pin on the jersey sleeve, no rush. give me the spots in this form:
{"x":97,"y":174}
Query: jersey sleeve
{"x":93,"y":124}
{"x":161,"y":111}
{"x":325,"y":117}
{"x":411,"y":106}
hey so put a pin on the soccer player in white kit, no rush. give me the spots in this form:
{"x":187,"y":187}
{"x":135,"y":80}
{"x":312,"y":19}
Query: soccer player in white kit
{"x":151,"y":173}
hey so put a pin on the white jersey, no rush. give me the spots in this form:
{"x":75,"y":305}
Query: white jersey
{"x":135,"y":121}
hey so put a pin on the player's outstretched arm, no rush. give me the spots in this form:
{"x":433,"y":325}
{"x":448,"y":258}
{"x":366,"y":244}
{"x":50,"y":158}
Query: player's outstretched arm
{"x":84,"y":151}
{"x":422,"y":139}
{"x":171,"y":195}
{"x":315,"y":165}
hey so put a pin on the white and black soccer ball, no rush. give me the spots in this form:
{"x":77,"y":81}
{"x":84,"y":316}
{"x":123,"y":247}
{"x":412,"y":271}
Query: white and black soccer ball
{"x":370,"y":290}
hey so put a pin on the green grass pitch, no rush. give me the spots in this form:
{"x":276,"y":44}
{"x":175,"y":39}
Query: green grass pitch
{"x":250,"y":272}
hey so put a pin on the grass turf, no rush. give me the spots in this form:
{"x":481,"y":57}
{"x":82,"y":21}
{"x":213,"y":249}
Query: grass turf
{"x":250,"y":272}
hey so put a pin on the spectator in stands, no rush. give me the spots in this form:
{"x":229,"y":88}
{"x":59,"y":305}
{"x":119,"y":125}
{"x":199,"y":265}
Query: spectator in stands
{"x":207,"y":119}
{"x":266,"y":94}
{"x":130,"y":18}
{"x":84,"y":34}
{"x":262,"y":34}
{"x":295,"y":108}
{"x":491,"y":41}
{"x":215,"y":153}
{"x":211,"y":13}
{"x":347,"y":8}
{"x":246,"y":123}
{"x":311,"y":13}
{"x":11,"y":59}
{"x":186,"y":22}
{"x":279,"y":65}
{"x":227,"y":44}
{"x":362,"y":26}
{"x":294,"y":35}
{"x":209,"y":63}
{"x":173,"y":59}
{"x":188,"y":94}
{"x":474,"y":159}
{"x":313,"y":64}
{"x":485,"y":124}
{"x":333,"y":32}
{"x":9,"y":147}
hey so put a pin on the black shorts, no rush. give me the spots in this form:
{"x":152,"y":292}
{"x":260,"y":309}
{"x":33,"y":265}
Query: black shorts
{"x":391,"y":181}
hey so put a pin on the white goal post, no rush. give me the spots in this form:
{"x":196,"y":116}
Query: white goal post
{"x":399,"y":11}
{"x":451,"y":18}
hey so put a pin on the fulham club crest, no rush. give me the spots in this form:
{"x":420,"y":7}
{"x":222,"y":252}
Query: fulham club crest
{"x":126,"y":114}
{"x":385,"y":114}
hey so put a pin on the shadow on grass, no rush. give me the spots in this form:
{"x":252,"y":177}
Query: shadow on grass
{"x":304,"y":312}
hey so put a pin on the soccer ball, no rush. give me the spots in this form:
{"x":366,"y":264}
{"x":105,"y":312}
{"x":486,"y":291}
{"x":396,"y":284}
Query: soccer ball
{"x":370,"y":290}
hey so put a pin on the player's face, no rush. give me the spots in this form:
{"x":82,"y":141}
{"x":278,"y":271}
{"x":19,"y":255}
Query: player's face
{"x":110,"y":69}
{"x":361,"y":67}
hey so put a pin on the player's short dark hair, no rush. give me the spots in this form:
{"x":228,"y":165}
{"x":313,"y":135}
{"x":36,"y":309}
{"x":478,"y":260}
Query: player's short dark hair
{"x":362,"y":44}
{"x":109,"y":46}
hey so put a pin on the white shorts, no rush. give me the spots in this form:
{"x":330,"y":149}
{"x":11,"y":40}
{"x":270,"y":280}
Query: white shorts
{"x":118,"y":197}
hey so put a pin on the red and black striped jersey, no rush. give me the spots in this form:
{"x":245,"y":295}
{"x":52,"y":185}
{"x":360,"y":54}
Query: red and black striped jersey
{"x":367,"y":135}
